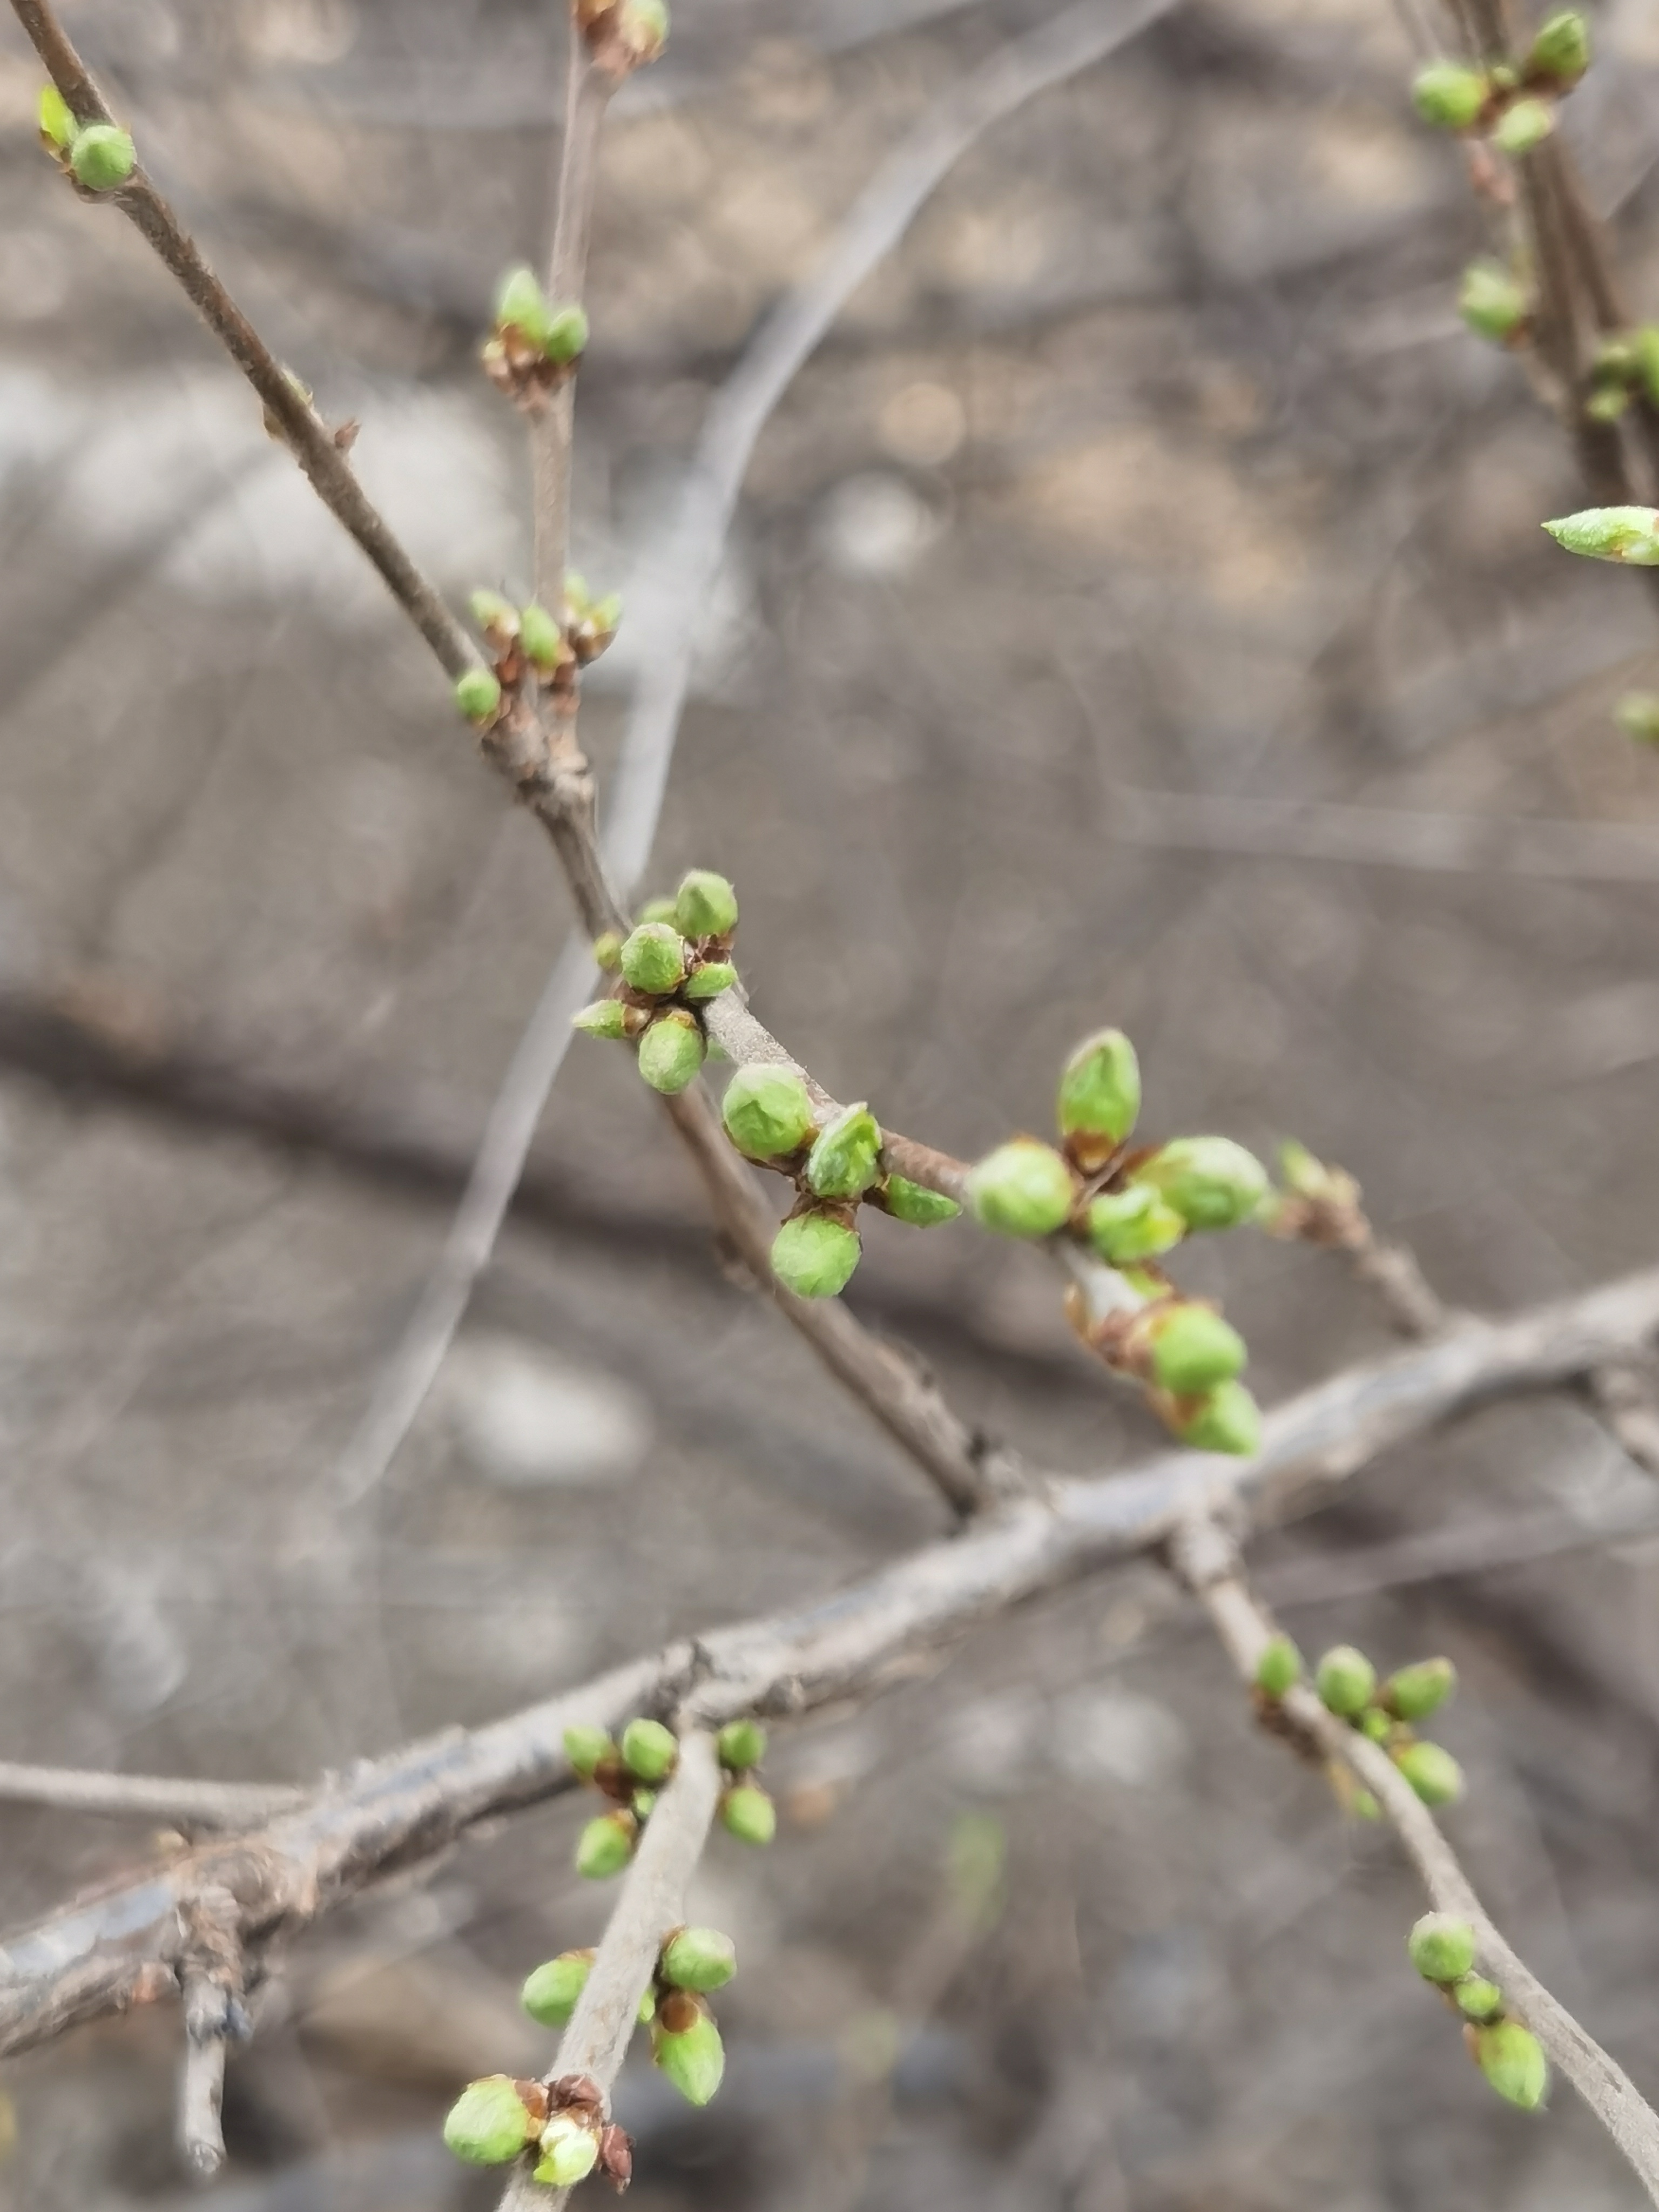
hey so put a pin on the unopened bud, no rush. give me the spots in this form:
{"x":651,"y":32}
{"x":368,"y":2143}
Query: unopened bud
{"x":649,"y":1750}
{"x":1022,"y":1189}
{"x":566,"y":339}
{"x":1560,"y":53}
{"x":706,"y":905}
{"x":643,"y":1804}
{"x":570,"y":2151}
{"x":541,"y":638}
{"x":1433,"y":1773}
{"x":655,"y":958}
{"x":550,"y":1994}
{"x":671,"y":1051}
{"x":749,"y":1814}
{"x":658,"y":910}
{"x":766,"y":1111}
{"x":814,"y":1254}
{"x":521,"y":305}
{"x":708,"y":979}
{"x":741,"y":1745}
{"x":1479,"y":2001}
{"x":497,"y":617}
{"x":1193,"y":1349}
{"x":692,"y":2057}
{"x":1279,"y":1667}
{"x":607,"y":950}
{"x":1374,"y":1724}
{"x":1227,"y":1420}
{"x":698,"y":1959}
{"x":1345,"y":1679}
{"x":605,"y":1845}
{"x":845,"y":1154}
{"x":1135,"y":1223}
{"x":1630,"y":534}
{"x":912,"y":1202}
{"x":1442,"y":1947}
{"x":488,"y":2123}
{"x":1637,"y":715}
{"x":644,"y":28}
{"x":605,"y":616}
{"x":1491,"y":302}
{"x":585,"y":1747}
{"x":478,"y":695}
{"x":58,"y":125}
{"x":1416,"y":1691}
{"x":647,"y":2011}
{"x":1525,"y":125}
{"x":1512,"y":2060}
{"x":1210,"y":1181}
{"x":1448,"y":95}
{"x":605,"y":1017}
{"x":102,"y":157}
{"x":1099,"y":1098}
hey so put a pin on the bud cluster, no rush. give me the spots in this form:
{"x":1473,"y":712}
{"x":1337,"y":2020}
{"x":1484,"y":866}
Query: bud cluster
{"x":673,"y":962}
{"x":746,"y":1811}
{"x":1385,"y":1712}
{"x":1625,"y":367}
{"x":1511,"y":105}
{"x":563,"y":2122}
{"x":98,"y":157}
{"x":685,"y":2040}
{"x":629,"y":1772}
{"x":1443,"y":1949}
{"x":536,"y":342}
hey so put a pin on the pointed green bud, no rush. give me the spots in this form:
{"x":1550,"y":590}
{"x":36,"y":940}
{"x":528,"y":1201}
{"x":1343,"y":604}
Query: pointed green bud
{"x":643,"y":1804}
{"x":102,"y":157}
{"x":1491,"y":302}
{"x":1414,"y":1692}
{"x":570,"y":2151}
{"x":1279,"y":1667}
{"x":1135,"y":1223}
{"x":1479,"y":2001}
{"x":658,"y":910}
{"x":749,"y":1814}
{"x":1525,"y":125}
{"x":1449,"y":96}
{"x":540,"y":636}
{"x":1630,"y":534}
{"x":694,"y":2059}
{"x":912,"y":1202}
{"x":698,"y":1959}
{"x":647,"y":2011}
{"x":498,"y":618}
{"x":1433,"y":1773}
{"x":1560,"y":53}
{"x":1022,"y":1189}
{"x":1512,"y":2060}
{"x":766,"y":1111}
{"x":1345,"y":1679}
{"x":813,"y":1254}
{"x":605,"y":1017}
{"x":58,"y":125}
{"x":1442,"y":1947}
{"x":649,"y":1750}
{"x":706,"y":905}
{"x":671,"y":1051}
{"x":655,"y":958}
{"x":1637,"y":715}
{"x":1099,"y":1098}
{"x":521,"y":305}
{"x":607,"y":950}
{"x":741,"y":1745}
{"x":605,"y":616}
{"x":708,"y":979}
{"x":1193,"y":1349}
{"x":585,"y":1747}
{"x":550,"y":1994}
{"x":605,"y":1845}
{"x":1374,"y":1724}
{"x":477,"y":694}
{"x":488,"y":2123}
{"x":644,"y":28}
{"x":566,"y":337}
{"x":845,"y":1155}
{"x":1227,"y":1420}
{"x":1210,"y":1181}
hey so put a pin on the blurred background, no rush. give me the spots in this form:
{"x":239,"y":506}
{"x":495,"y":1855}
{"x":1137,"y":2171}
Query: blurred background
{"x":1137,"y":612}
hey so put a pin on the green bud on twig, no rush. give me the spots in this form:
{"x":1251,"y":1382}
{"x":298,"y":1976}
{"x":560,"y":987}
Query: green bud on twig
{"x":1374,"y":1724}
{"x":912,"y":1202}
{"x":1228,"y":1419}
{"x":1630,"y":534}
{"x":749,"y":1814}
{"x":845,"y":1155}
{"x":567,"y":335}
{"x":741,"y":1745}
{"x":607,"y":950}
{"x":693,"y":2057}
{"x":1210,"y":1181}
{"x":1524,"y":126}
{"x":541,"y":638}
{"x":1512,"y":2060}
{"x":649,"y":1750}
{"x":767,"y":1112}
{"x":1024,"y":1188}
{"x":102,"y":157}
{"x":1560,"y":53}
{"x":671,"y":1051}
{"x":1433,"y":1773}
{"x":655,"y":958}
{"x":585,"y":1747}
{"x":1416,"y":1691}
{"x":478,"y":695}
{"x":706,"y":905}
{"x":1133,"y":1223}
{"x":570,"y":2151}
{"x":1493,"y":303}
{"x":1449,"y":96}
{"x":658,"y":910}
{"x":1345,"y":1679}
{"x":1099,"y":1098}
{"x":814,"y":1254}
{"x":698,"y":1959}
{"x":498,"y":618}
{"x":605,"y":1845}
{"x":1193,"y":1349}
{"x":550,"y":1994}
{"x":488,"y":2123}
{"x":642,"y":27}
{"x":521,"y":305}
{"x":643,"y":1804}
{"x":1442,"y":1947}
{"x":1479,"y":2001}
{"x":708,"y":979}
{"x":58,"y":125}
{"x":1279,"y":1667}
{"x":605,"y":1017}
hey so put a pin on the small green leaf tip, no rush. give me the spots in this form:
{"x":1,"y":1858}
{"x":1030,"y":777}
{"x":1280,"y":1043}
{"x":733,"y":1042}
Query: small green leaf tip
{"x":1493,"y":304}
{"x":58,"y":125}
{"x":1512,"y":2060}
{"x":1449,"y":96}
{"x":814,"y":1254}
{"x":1442,"y":1948}
{"x":766,"y":1111}
{"x":1433,"y":1773}
{"x":1560,"y":53}
{"x":1228,"y":1419}
{"x":1210,"y":1181}
{"x":708,"y":979}
{"x":749,"y":1814}
{"x":541,"y":637}
{"x":1414,"y":1692}
{"x":1024,"y":1188}
{"x":649,"y":1751}
{"x":605,"y":1017}
{"x":1637,"y":715}
{"x":706,"y":905}
{"x":1133,"y":1223}
{"x":1524,"y":126}
{"x":1193,"y":1349}
{"x":478,"y":695}
{"x":585,"y":1747}
{"x":550,"y":1994}
{"x":845,"y":1155}
{"x":1099,"y":1098}
{"x":671,"y":1051}
{"x":488,"y":2122}
{"x":102,"y":157}
{"x":741,"y":1745}
{"x":521,"y":305}
{"x":1630,"y":534}
{"x":570,"y":2151}
{"x":912,"y":1202}
{"x":1478,"y":2000}
{"x":1279,"y":1667}
{"x":698,"y":1959}
{"x":693,"y":2058}
{"x":605,"y":1845}
{"x":655,"y":958}
{"x":1345,"y":1679}
{"x":566,"y":339}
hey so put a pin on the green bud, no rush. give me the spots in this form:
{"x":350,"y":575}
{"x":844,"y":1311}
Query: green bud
{"x":477,"y":694}
{"x":1022,"y":1189}
{"x":813,"y":1254}
{"x":694,"y":2059}
{"x":1433,"y":1773}
{"x":1491,"y":302}
{"x":643,"y":27}
{"x":1193,"y":1349}
{"x":749,"y":1814}
{"x":607,"y":950}
{"x":671,"y":1051}
{"x":521,"y":305}
{"x":1374,"y":1724}
{"x":488,"y":2123}
{"x":1608,"y":403}
{"x":605,"y":1845}
{"x":1416,"y":1691}
{"x":649,"y":1750}
{"x":698,"y":1959}
{"x":643,"y":1804}
{"x":585,"y":1747}
{"x":1630,"y":534}
{"x":1279,"y":1667}
{"x":912,"y":1202}
{"x":57,"y":122}
{"x":1512,"y":2060}
{"x":498,"y":618}
{"x":1448,"y":95}
{"x":1345,"y":1679}
{"x":741,"y":1745}
{"x":845,"y":1154}
{"x":1524,"y":126}
{"x":1133,"y":1223}
{"x":605,"y":615}
{"x":541,"y":637}
{"x":1099,"y":1096}
{"x":1227,"y":1420}
{"x":708,"y":979}
{"x":566,"y":337}
{"x":766,"y":1111}
{"x":605,"y":1017}
{"x":1442,"y":1947}
{"x":570,"y":2151}
{"x":647,"y":2011}
{"x":102,"y":157}
{"x":706,"y":905}
{"x":658,"y":910}
{"x":1210,"y":1181}
{"x":1637,"y":715}
{"x":655,"y":958}
{"x":550,"y":1994}
{"x":1479,"y":2001}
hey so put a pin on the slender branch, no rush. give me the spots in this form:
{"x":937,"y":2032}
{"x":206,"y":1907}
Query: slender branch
{"x":182,"y":1803}
{"x":211,"y":1976}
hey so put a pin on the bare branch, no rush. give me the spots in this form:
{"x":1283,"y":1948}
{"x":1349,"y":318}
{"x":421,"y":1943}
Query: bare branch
{"x":211,"y":1979}
{"x":182,"y":1803}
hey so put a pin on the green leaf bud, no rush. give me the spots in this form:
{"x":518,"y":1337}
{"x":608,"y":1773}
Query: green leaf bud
{"x":1449,"y":96}
{"x":671,"y":1051}
{"x":1478,"y":2000}
{"x":1512,"y":2060}
{"x":498,"y":618}
{"x":1637,"y":715}
{"x":605,"y":1017}
{"x":912,"y":1202}
{"x":749,"y":1814}
{"x":1099,"y":1098}
{"x":478,"y":695}
{"x":58,"y":125}
{"x":655,"y":958}
{"x":1442,"y":1947}
{"x":550,"y":1994}
{"x":814,"y":1254}
{"x":1525,"y":125}
{"x":708,"y":979}
{"x":566,"y":337}
{"x":649,"y":1750}
{"x":541,"y":637}
{"x":647,"y":2011}
{"x":741,"y":1745}
{"x":706,"y":905}
{"x":585,"y":1747}
{"x":607,"y":950}
{"x":1133,"y":1223}
{"x":1560,"y":53}
{"x":1193,"y":1349}
{"x":658,"y":910}
{"x":1493,"y":303}
{"x":1227,"y":1420}
{"x":1279,"y":1667}
{"x":605,"y":1845}
{"x":1210,"y":1181}
{"x":604,"y":616}
{"x":1433,"y":1773}
{"x":766,"y":1111}
{"x":698,"y":1959}
{"x":644,"y":28}
{"x":1630,"y":534}
{"x":570,"y":2151}
{"x":488,"y":2123}
{"x":694,"y":2058}
{"x":1374,"y":1724}
{"x":845,"y":1154}
{"x":102,"y":157}
{"x":521,"y":305}
{"x":1345,"y":1679}
{"x":1024,"y":1188}
{"x":643,"y":1804}
{"x":1416,"y":1691}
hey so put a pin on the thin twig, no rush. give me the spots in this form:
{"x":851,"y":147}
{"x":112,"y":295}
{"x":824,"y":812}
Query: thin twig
{"x":182,"y":1803}
{"x":211,"y":1975}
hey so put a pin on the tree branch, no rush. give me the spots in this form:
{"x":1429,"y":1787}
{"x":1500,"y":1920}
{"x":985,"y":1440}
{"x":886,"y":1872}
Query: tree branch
{"x":181,"y":1803}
